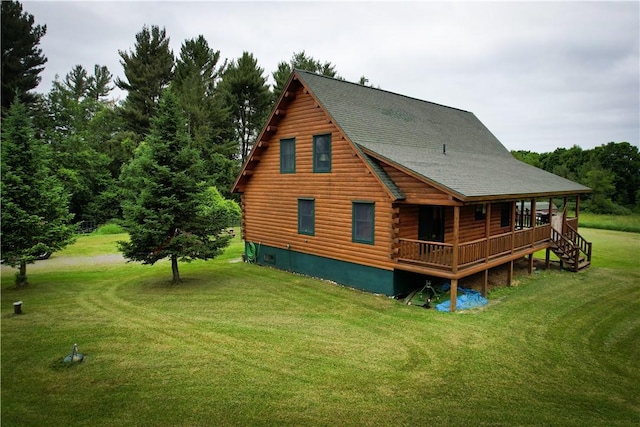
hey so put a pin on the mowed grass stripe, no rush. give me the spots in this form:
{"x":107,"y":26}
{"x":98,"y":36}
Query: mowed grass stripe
{"x":237,"y":344}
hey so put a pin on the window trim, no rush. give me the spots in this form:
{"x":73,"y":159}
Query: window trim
{"x":316,"y":169}
{"x":355,"y":239}
{"x":313,"y":216}
{"x":293,"y":142}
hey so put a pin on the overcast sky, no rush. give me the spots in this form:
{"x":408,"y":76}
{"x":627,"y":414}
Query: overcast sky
{"x":539,"y":75}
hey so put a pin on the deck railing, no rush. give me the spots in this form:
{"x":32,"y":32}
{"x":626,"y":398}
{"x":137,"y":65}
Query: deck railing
{"x":440,"y":255}
{"x":433,"y":254}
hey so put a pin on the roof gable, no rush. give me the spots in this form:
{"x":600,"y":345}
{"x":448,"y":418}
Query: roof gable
{"x":445,"y":145}
{"x":278,"y":113}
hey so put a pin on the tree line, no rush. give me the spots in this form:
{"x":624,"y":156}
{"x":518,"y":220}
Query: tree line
{"x":161,"y":161}
{"x":611,"y":170}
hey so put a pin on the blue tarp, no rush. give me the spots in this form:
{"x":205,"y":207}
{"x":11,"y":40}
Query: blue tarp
{"x":468,"y":299}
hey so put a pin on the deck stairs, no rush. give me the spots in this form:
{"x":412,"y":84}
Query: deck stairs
{"x":572,"y":249}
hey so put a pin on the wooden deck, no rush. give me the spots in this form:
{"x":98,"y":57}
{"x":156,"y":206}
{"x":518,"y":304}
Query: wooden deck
{"x":438,"y":258}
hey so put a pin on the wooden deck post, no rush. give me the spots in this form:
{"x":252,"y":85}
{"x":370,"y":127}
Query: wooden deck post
{"x":547,"y":259}
{"x":454,"y":295}
{"x":510,"y":273}
{"x":487,"y":232}
{"x":485,"y":283}
{"x":577,"y":210}
{"x":513,"y":225}
{"x":564,"y":215}
{"x":456,"y":237}
{"x":533,"y":222}
{"x":530,"y":270}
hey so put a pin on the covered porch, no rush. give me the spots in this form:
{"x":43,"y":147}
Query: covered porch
{"x":473,"y":238}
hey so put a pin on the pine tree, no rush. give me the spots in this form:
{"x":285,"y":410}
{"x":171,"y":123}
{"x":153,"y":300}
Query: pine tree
{"x":167,"y":211}
{"x":22,"y":59}
{"x":300,"y":61}
{"x":79,"y":159}
{"x":148,"y":71}
{"x":35,"y":215}
{"x":209,"y":122}
{"x":246,"y":94}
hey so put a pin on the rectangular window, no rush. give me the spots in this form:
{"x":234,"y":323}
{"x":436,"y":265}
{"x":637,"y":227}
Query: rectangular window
{"x":322,"y":153}
{"x":363,"y":220}
{"x":481,"y":212}
{"x":306,"y":216}
{"x":288,"y":155}
{"x":505,"y":215}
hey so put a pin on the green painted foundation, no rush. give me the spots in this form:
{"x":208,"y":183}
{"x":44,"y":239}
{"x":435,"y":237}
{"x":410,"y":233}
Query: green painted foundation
{"x":357,"y":276}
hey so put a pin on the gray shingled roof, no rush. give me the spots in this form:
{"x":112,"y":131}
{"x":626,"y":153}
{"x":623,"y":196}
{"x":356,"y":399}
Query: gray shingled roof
{"x":411,"y":133}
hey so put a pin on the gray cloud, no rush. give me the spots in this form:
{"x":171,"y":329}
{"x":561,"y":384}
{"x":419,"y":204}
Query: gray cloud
{"x":539,"y":75}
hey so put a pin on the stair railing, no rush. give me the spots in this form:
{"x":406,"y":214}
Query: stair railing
{"x":579,"y":242}
{"x":566,"y":247}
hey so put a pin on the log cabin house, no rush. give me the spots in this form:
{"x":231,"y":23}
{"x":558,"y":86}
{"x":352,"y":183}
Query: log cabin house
{"x":378,"y":191}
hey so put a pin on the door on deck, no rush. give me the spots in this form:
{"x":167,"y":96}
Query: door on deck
{"x":431,"y":223}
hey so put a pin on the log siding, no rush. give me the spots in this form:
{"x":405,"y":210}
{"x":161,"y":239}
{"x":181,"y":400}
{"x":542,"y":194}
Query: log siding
{"x":270,"y":198}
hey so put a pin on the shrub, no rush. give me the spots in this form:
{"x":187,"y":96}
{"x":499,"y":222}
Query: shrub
{"x":109,"y":228}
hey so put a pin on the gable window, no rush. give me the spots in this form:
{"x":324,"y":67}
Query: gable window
{"x":363,"y":220}
{"x":322,"y":153}
{"x":288,"y":155}
{"x":505,"y":215}
{"x":306,"y":216}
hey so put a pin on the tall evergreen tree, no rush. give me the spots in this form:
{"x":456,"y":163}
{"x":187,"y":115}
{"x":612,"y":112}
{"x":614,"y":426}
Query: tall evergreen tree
{"x":167,"y":210}
{"x":76,"y":82}
{"x":22,"y":59}
{"x":79,"y":162}
{"x":148,"y":70}
{"x":246,"y":93}
{"x":197,"y":75}
{"x":300,"y":61}
{"x":99,"y":83}
{"x":35,"y":215}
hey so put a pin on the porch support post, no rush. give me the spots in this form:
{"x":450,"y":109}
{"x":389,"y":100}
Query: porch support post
{"x":513,"y":225}
{"x":487,"y":232}
{"x":564,"y":215}
{"x":577,"y":210}
{"x":510,"y":273}
{"x":485,"y":283}
{"x":547,"y":259}
{"x":533,"y":222}
{"x":456,"y":238}
{"x":531,"y":263}
{"x":454,"y":294}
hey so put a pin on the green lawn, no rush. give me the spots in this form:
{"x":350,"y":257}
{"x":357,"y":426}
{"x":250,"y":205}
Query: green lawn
{"x":238,"y":344}
{"x":630,"y":223}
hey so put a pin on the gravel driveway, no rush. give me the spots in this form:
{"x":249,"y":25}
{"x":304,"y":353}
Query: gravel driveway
{"x":62,"y":261}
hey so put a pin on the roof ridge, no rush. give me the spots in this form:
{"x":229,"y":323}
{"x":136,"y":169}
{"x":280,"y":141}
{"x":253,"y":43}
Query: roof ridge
{"x":379,"y":90}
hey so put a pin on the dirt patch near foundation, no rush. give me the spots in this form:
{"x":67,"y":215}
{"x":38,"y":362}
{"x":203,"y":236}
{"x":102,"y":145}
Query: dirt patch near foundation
{"x":498,"y":275}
